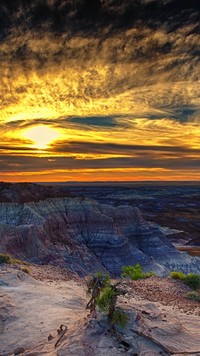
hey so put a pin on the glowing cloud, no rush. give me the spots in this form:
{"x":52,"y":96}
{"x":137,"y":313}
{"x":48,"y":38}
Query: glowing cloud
{"x":41,"y":135}
{"x":104,"y":88}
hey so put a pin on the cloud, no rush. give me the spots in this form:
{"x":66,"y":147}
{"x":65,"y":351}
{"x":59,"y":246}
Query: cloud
{"x":122,"y":149}
{"x":34,"y":164}
{"x":119,"y":80}
{"x":85,"y":73}
{"x":102,"y":121}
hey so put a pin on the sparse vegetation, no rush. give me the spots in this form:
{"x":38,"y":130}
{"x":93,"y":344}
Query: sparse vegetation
{"x":104,"y":296}
{"x":191,"y":279}
{"x":119,"y":318}
{"x":149,"y":274}
{"x":104,"y":299}
{"x":97,"y":281}
{"x":20,"y":262}
{"x":4,"y":258}
{"x":135,"y":272}
{"x":193,"y":295}
{"x":177,"y":275}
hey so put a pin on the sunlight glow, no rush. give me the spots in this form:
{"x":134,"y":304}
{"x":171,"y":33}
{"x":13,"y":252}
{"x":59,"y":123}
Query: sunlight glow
{"x":41,"y":135}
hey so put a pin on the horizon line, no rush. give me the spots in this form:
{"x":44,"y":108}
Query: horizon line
{"x":105,"y":182}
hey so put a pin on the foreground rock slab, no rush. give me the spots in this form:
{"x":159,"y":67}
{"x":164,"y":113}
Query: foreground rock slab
{"x":32,"y":312}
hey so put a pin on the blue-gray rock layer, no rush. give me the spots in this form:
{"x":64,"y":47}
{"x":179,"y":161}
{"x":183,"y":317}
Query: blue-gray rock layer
{"x":86,"y":236}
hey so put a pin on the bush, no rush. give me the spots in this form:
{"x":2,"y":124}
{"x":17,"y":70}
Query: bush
{"x":177,"y":275}
{"x":98,"y":281}
{"x":104,"y":299}
{"x":104,"y":296}
{"x":119,"y":318}
{"x":192,"y":280}
{"x":4,"y":258}
{"x":193,"y":296}
{"x":135,"y":272}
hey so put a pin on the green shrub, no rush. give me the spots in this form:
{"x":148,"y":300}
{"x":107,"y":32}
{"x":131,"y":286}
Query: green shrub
{"x":106,"y":302}
{"x":193,"y":296}
{"x":104,"y":299}
{"x":104,"y":296}
{"x":119,"y":318}
{"x":192,"y":280}
{"x":177,"y":275}
{"x":98,"y":281}
{"x":135,"y":272}
{"x":4,"y":258}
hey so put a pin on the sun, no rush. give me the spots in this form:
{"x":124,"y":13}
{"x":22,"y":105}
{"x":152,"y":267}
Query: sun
{"x":41,"y":135}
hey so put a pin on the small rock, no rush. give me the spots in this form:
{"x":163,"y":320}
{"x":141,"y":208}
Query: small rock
{"x":128,"y":338}
{"x":50,"y":337}
{"x":19,"y":350}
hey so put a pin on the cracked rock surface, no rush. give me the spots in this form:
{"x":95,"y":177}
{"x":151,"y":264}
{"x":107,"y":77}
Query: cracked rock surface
{"x":32,"y":310}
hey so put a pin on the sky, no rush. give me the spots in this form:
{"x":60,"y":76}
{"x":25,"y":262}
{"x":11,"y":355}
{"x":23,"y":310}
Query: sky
{"x":99,"y":90}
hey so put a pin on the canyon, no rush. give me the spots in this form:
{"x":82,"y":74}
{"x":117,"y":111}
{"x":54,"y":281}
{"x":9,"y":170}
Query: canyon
{"x":50,"y":225}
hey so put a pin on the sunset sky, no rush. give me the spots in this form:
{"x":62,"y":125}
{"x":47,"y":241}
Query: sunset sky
{"x":99,"y":90}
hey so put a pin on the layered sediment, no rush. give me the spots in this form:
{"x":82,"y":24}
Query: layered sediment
{"x":84,"y":236}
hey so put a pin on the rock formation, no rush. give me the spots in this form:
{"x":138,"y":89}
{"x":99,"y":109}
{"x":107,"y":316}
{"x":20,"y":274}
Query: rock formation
{"x":161,"y":321}
{"x":81,"y":234}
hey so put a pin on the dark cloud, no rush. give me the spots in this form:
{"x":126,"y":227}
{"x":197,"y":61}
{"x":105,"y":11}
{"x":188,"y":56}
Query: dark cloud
{"x":98,"y":50}
{"x":113,"y":148}
{"x":184,"y":113}
{"x":92,"y":15}
{"x":31,"y":164}
{"x":179,"y":113}
{"x":79,"y":121}
{"x":13,"y":148}
{"x":102,"y":121}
